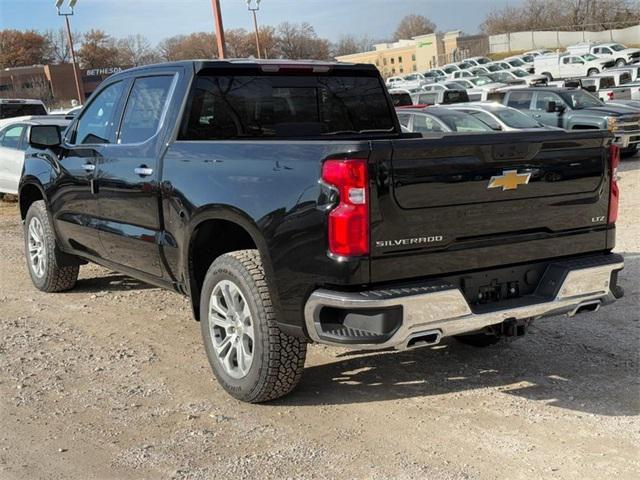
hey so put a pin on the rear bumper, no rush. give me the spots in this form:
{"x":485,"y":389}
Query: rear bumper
{"x":438,"y":309}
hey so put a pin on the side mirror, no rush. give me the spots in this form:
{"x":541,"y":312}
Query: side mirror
{"x":44,"y":136}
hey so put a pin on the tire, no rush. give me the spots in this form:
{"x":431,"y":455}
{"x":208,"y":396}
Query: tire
{"x":42,"y":253}
{"x":592,"y":71}
{"x":258,"y":362}
{"x":549,"y":76}
{"x":621,"y":62}
{"x":479,"y":339}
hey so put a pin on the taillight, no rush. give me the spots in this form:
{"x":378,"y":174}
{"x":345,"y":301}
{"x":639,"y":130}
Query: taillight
{"x":610,"y":95}
{"x":349,"y":220}
{"x":614,"y":190}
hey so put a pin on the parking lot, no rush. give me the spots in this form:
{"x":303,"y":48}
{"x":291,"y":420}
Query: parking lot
{"x":110,"y":381}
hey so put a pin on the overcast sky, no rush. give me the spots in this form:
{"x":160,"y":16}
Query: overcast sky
{"x":157,"y":19}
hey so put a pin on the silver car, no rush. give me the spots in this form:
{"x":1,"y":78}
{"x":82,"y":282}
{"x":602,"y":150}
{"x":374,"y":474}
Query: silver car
{"x":500,"y":117}
{"x":14,"y":140}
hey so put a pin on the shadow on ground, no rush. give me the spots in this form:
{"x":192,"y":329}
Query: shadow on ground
{"x":113,"y":282}
{"x":579,"y":364}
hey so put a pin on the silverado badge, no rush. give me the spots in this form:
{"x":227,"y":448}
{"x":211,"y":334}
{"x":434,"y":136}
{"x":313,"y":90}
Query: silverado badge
{"x":509,"y":180}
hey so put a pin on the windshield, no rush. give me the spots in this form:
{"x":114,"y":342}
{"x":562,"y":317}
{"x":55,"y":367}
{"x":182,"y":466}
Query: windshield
{"x":465,"y":65}
{"x":528,"y":58}
{"x":515,"y":118}
{"x":494,"y":68}
{"x":455,"y":85}
{"x":482,"y":60}
{"x":589,"y":57}
{"x":581,"y":99}
{"x":519,"y":73}
{"x":616,"y":47}
{"x":10,"y":110}
{"x":516,"y":62}
{"x":463,"y":122}
{"x":479,"y":81}
{"x":450,"y":69}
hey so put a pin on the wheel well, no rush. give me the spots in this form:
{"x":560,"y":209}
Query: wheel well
{"x":28,"y":194}
{"x":211,"y":239}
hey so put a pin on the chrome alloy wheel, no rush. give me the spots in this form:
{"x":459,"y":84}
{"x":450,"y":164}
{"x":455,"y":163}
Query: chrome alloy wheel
{"x":37,"y":248}
{"x":231,"y":328}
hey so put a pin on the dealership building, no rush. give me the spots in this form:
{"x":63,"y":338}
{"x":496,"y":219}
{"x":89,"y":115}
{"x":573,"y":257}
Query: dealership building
{"x":51,"y":82}
{"x":421,"y":52}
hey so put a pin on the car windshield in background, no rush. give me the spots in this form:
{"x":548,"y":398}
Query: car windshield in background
{"x":463,"y":122}
{"x":616,"y":47}
{"x":519,"y":73}
{"x":482,"y":61}
{"x":528,"y":58}
{"x":247,"y":106}
{"x":479,"y":81}
{"x":494,"y":68}
{"x":450,"y":69}
{"x":516,"y":62}
{"x":580,"y":99}
{"x":589,"y":57}
{"x":10,"y":110}
{"x":515,"y":118}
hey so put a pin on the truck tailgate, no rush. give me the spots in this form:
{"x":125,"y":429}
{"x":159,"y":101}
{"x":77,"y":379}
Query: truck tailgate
{"x":465,"y":202}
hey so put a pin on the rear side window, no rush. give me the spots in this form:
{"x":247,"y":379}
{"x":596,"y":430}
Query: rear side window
{"x":10,"y":110}
{"x":279,"y":106}
{"x":520,"y":100}
{"x":144,"y":108}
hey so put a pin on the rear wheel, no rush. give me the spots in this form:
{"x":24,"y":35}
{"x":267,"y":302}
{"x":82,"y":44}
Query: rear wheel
{"x":42,"y":252}
{"x":621,"y":62}
{"x":592,"y":72}
{"x":251,"y":358}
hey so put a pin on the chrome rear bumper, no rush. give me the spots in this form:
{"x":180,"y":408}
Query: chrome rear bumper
{"x":441,"y":310}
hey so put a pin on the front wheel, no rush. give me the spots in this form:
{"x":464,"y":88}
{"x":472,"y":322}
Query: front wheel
{"x":253,"y":360}
{"x":621,"y":62}
{"x":42,"y":252}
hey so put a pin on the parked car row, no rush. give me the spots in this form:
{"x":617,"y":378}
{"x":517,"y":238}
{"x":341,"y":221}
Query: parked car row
{"x":527,"y":108}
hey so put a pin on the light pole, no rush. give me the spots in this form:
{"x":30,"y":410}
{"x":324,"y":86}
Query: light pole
{"x":76,"y":72}
{"x":253,"y":10}
{"x":217,"y":20}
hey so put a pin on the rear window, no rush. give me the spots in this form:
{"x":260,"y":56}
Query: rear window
{"x":607,"y":82}
{"x":401,"y":99}
{"x":10,"y":110}
{"x":455,"y":96}
{"x":285,"y":106}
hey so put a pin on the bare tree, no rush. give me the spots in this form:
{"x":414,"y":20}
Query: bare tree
{"x":239,"y":43}
{"x":563,"y":15}
{"x":414,"y":25}
{"x":299,"y":41}
{"x":348,"y":44}
{"x":58,"y":44}
{"x":136,"y":50}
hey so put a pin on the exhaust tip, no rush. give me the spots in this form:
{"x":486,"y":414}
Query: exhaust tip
{"x":424,"y":339}
{"x":586,"y":307}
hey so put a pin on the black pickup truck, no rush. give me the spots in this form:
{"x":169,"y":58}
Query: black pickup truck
{"x":284,"y":200}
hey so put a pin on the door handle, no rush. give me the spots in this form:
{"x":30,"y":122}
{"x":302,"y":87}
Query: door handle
{"x":88,"y":167}
{"x":143,"y":171}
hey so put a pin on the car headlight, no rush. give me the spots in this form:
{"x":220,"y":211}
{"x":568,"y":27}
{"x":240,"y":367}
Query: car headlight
{"x":612,"y":123}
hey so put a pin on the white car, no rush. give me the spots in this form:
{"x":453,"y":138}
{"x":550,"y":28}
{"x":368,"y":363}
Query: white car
{"x":478,"y":60}
{"x":568,"y":65}
{"x":14,"y":138}
{"x":19,"y":107}
{"x":617,"y":52}
{"x":536,"y":53}
{"x":517,"y":76}
{"x":517,"y":62}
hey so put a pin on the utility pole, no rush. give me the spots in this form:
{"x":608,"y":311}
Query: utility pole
{"x":255,"y":22}
{"x":219,"y":30}
{"x":76,"y":71}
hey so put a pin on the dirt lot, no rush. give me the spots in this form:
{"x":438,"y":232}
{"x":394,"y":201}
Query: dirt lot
{"x":110,"y":381}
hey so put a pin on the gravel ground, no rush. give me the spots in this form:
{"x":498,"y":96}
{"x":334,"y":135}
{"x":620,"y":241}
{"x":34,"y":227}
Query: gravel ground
{"x":110,"y":381}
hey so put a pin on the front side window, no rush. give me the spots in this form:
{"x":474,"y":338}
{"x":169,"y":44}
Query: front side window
{"x":144,"y":108}
{"x":581,"y":99}
{"x":10,"y":136}
{"x":281,"y":106}
{"x":516,"y":119}
{"x":544,"y":98}
{"x":97,"y":122}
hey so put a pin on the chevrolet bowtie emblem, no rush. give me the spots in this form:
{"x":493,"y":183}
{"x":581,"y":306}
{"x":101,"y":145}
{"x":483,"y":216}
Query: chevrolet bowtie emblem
{"x":509,"y":180}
